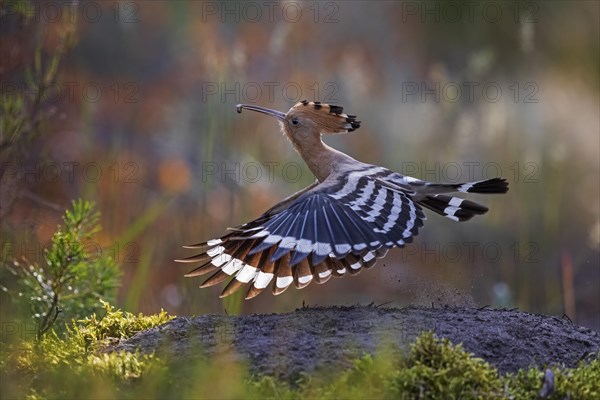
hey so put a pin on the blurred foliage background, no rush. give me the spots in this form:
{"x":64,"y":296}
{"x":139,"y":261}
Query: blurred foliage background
{"x":137,"y":113}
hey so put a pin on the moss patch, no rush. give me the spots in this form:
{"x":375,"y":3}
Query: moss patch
{"x":70,"y":365}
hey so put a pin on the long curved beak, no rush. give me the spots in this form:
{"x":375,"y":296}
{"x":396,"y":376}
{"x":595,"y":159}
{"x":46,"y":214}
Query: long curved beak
{"x":273,"y":113}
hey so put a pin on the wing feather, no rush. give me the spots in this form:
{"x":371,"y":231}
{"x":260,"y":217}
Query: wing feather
{"x":335,"y":228}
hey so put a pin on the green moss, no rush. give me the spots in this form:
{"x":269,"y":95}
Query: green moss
{"x":437,"y":369}
{"x":582,"y":382}
{"x":71,"y":364}
{"x":118,"y":324}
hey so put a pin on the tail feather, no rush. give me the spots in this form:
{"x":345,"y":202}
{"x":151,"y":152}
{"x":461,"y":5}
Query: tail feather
{"x":489,"y":186}
{"x":455,"y":208}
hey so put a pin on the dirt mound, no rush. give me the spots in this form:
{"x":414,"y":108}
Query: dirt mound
{"x":309,"y":339}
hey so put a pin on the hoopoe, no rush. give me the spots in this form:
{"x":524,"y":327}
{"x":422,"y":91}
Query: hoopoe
{"x":347,"y":219}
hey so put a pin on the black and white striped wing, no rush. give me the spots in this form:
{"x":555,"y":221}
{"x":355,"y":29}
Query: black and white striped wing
{"x":341,"y":225}
{"x":387,"y":208}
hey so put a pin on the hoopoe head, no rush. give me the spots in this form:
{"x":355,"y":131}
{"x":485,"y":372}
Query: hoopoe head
{"x":309,"y":118}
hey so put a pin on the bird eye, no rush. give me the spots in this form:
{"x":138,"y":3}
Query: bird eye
{"x":295,"y":121}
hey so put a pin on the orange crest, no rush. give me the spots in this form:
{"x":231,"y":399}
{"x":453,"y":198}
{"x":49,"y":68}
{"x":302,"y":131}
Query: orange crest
{"x":331,"y":119}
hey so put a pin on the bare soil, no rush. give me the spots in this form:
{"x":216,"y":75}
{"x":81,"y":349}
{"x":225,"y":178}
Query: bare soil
{"x":313,"y":339}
